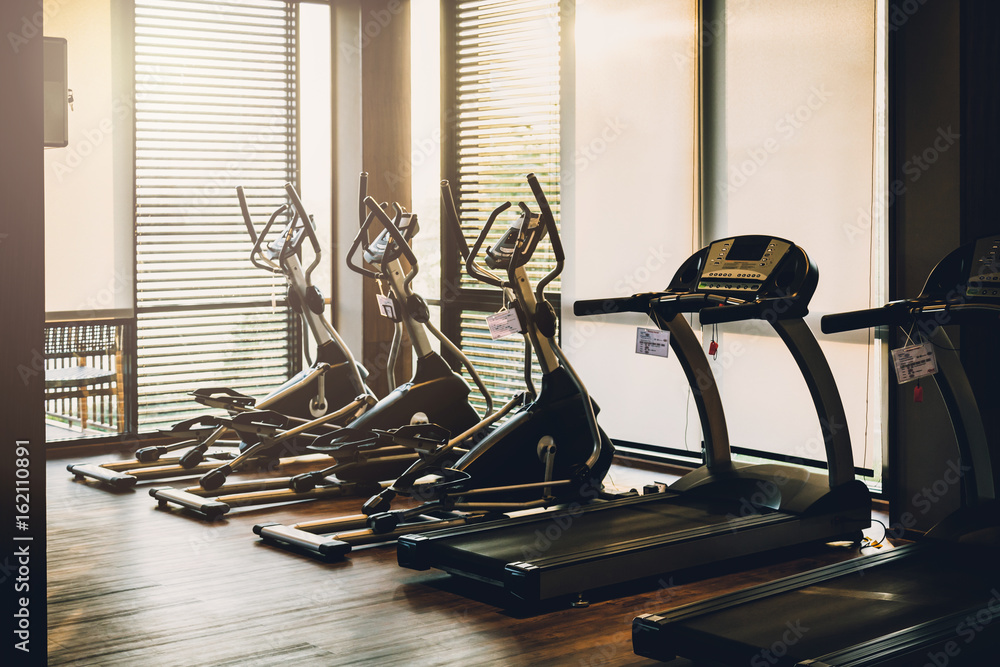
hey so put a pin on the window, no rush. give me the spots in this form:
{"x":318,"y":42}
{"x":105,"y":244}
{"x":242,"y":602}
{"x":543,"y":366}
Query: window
{"x":502,"y":93}
{"x":631,"y":207}
{"x":215,"y":107}
{"x":666,"y":112}
{"x":799,"y":141}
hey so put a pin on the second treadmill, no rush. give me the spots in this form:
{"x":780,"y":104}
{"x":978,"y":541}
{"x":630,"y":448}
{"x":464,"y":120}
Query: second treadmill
{"x":934,"y":602}
{"x":719,"y":511}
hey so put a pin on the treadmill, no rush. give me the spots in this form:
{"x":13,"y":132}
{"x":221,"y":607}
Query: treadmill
{"x":932,"y":602}
{"x":719,"y":511}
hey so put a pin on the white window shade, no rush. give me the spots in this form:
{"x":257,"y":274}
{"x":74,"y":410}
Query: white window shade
{"x":630,"y":204}
{"x":799,"y":156}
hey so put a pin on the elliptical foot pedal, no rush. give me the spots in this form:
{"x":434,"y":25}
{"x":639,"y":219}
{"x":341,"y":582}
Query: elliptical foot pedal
{"x":222,"y":397}
{"x":197,"y":428}
{"x":451,"y":481}
{"x":346,"y":441}
{"x":423,"y":438}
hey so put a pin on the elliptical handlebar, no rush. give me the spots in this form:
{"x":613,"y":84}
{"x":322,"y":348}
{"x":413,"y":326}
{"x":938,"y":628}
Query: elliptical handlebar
{"x":472,"y":267}
{"x":307,"y":225}
{"x":550,"y":225}
{"x":300,"y":210}
{"x":368,"y":211}
{"x":395,"y":233}
{"x":451,"y":213}
{"x":357,"y":268}
{"x":392,"y":229}
{"x":246,"y":214}
{"x":362,"y":195}
{"x":257,"y":257}
{"x":291,"y":242}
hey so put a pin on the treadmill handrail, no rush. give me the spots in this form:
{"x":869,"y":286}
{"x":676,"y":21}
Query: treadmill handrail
{"x":901,"y":313}
{"x":663,"y":307}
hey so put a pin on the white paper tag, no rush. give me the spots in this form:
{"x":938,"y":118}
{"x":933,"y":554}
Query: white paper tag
{"x":914,"y":361}
{"x":386,"y":306}
{"x":503,"y":324}
{"x":655,"y":342}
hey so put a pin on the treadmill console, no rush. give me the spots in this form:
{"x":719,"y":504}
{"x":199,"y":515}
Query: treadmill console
{"x":500,"y":255}
{"x":970,"y":273}
{"x":984,"y":272}
{"x":741,"y":264}
{"x":748,"y":268}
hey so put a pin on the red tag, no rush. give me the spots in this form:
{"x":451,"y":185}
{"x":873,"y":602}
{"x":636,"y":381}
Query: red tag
{"x":918,"y":394}
{"x":713,"y":347}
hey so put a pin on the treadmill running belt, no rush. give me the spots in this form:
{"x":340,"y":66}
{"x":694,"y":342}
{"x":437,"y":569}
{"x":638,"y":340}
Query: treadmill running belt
{"x":856,"y":607}
{"x":574,"y":533}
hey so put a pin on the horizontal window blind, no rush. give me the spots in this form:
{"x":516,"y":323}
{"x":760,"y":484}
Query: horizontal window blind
{"x":504,"y":77}
{"x":500,"y":363}
{"x":215,"y":107}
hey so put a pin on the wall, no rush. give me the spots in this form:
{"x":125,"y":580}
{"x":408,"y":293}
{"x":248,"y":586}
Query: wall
{"x":925,"y":219}
{"x":88,"y":191}
{"x":346,"y":67}
{"x":21,"y":321}
{"x":630,"y":206}
{"x":627,"y":202}
{"x":795,"y":157}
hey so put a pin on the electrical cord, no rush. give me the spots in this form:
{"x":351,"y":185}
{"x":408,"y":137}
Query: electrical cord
{"x":868,"y":542}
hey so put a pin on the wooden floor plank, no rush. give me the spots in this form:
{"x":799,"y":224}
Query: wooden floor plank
{"x":130,"y":584}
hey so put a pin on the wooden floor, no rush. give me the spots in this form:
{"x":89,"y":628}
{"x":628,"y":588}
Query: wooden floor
{"x":129,"y":584}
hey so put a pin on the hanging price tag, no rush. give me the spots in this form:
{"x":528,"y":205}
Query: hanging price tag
{"x":914,"y":361}
{"x":386,"y":306}
{"x":503,"y":324}
{"x":652,"y":341}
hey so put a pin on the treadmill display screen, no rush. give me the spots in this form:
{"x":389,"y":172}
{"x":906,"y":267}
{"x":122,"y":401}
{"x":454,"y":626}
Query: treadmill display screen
{"x":748,"y":250}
